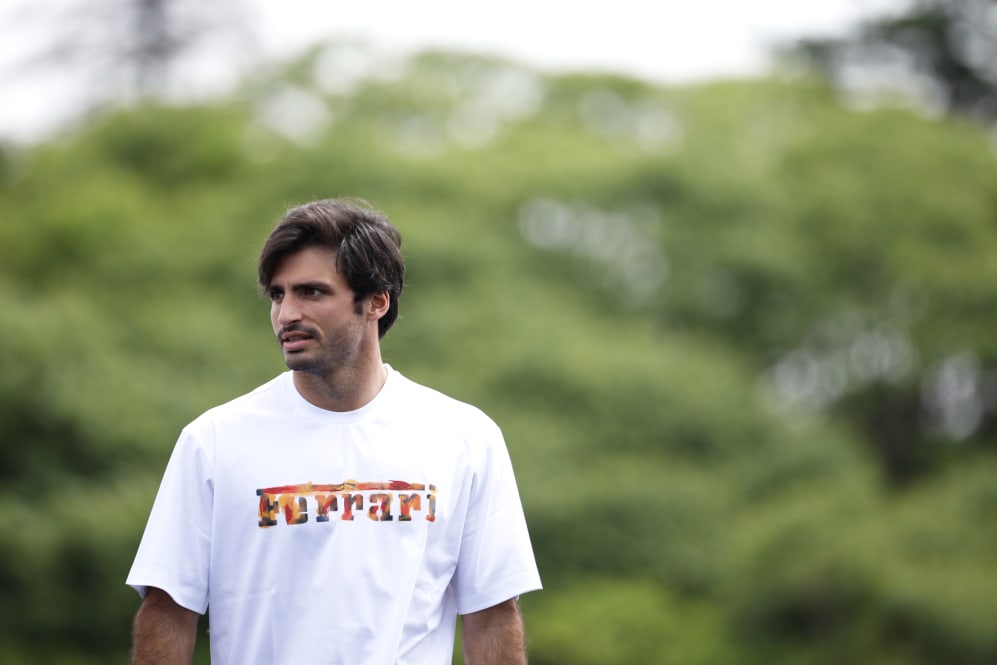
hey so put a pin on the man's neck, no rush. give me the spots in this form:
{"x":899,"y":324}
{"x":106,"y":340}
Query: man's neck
{"x":347,"y":390}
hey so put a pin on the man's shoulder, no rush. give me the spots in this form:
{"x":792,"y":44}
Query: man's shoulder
{"x":426,"y":402}
{"x":255,"y":401}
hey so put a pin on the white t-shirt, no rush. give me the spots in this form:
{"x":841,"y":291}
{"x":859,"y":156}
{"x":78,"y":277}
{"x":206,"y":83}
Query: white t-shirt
{"x":337,"y":538}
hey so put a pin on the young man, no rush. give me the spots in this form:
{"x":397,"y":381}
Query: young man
{"x":340,"y":513}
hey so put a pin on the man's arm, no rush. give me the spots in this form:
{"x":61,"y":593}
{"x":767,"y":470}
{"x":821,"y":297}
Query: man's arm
{"x":164,"y":632}
{"x":494,"y":636}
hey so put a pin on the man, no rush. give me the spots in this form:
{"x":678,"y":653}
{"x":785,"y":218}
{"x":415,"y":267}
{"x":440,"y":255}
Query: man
{"x":340,"y":513}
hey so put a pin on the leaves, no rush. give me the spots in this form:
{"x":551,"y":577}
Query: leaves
{"x":738,"y":338}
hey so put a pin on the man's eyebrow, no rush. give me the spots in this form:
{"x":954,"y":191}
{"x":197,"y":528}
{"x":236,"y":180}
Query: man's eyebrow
{"x":308,"y":286}
{"x":301,"y":287}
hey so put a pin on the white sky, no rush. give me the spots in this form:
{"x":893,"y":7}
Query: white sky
{"x":664,"y":41}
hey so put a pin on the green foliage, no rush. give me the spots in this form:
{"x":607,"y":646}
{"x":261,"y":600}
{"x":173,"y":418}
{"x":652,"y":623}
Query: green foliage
{"x":609,"y":621}
{"x":739,"y":339}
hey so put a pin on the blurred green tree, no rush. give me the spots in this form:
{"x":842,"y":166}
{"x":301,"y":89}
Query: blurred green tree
{"x":943,"y":52}
{"x":738,"y":336}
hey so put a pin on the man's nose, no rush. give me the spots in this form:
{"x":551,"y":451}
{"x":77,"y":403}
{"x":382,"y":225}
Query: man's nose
{"x":288,"y":311}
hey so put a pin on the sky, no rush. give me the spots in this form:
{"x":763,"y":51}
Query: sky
{"x":662,"y":41}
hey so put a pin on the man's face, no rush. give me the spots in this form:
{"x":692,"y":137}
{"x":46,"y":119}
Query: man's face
{"x":317,"y":324}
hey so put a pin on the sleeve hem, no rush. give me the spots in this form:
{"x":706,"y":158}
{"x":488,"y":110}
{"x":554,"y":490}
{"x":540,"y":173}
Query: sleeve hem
{"x":484,"y":601}
{"x":180,"y":598}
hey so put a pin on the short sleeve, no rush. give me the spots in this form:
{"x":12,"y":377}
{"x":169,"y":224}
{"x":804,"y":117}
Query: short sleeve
{"x":496,"y":560}
{"x":175,"y":550}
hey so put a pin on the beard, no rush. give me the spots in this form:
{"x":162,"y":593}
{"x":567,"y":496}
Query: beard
{"x":325,"y":356}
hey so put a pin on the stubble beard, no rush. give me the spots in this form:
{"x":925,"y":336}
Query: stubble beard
{"x":331,"y":357}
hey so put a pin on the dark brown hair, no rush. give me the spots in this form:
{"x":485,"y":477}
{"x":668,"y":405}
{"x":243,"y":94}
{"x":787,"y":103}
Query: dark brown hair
{"x":367,"y":246}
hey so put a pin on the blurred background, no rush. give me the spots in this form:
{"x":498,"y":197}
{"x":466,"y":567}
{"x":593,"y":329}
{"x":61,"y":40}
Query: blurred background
{"x":726,"y":277}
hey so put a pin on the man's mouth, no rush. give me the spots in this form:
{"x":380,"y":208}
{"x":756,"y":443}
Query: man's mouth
{"x":294,"y":341}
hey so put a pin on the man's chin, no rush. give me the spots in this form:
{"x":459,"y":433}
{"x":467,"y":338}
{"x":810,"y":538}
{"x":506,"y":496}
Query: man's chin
{"x":299,"y":362}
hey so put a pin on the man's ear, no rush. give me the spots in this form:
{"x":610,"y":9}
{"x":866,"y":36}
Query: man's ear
{"x":377,"y":305}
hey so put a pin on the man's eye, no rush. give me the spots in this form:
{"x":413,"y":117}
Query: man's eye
{"x":275,"y":296}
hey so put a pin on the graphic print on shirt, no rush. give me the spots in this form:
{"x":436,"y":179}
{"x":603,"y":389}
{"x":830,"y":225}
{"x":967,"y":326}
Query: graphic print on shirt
{"x":384,"y":502}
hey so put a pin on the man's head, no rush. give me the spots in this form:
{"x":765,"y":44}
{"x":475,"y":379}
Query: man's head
{"x":366,"y":245}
